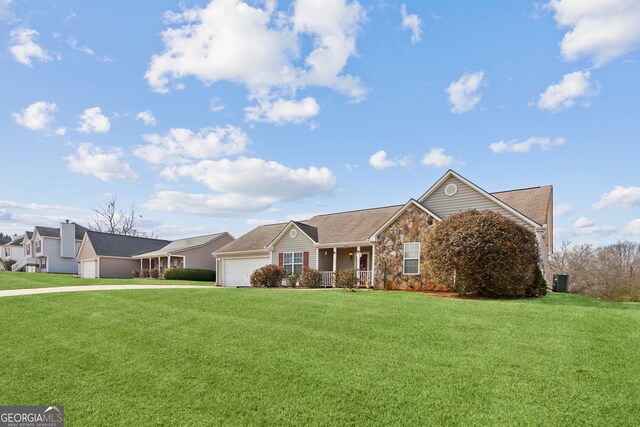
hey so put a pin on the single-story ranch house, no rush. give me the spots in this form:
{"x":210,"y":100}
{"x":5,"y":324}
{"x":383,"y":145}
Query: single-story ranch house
{"x":385,"y":245}
{"x":103,"y":255}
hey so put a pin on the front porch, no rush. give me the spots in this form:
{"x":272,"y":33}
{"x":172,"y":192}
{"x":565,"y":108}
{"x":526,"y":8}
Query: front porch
{"x":161,"y":263}
{"x":335,"y":259}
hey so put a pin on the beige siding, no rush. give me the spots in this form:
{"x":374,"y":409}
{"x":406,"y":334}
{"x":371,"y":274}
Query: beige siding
{"x":344,"y":261}
{"x":87,"y":251}
{"x":465,"y":198}
{"x":117,"y":268}
{"x":202,"y":257}
{"x":300,"y":244}
{"x":325,"y":262}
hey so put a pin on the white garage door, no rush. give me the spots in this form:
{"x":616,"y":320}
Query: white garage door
{"x":237,"y":271}
{"x":88,"y":269}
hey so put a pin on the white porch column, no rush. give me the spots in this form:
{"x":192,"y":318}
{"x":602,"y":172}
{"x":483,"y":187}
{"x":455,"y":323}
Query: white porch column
{"x":335,"y":260}
{"x":373,"y":264}
{"x":358,"y":254}
{"x":317,"y":257}
{"x":159,"y":264}
{"x":141,"y":267}
{"x":149,"y":263}
{"x":168,"y":261}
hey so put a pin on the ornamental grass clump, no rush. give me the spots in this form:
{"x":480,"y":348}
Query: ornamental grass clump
{"x":484,"y":253}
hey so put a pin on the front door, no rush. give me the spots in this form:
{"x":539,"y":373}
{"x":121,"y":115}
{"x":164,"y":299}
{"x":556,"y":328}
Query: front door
{"x":364,"y":262}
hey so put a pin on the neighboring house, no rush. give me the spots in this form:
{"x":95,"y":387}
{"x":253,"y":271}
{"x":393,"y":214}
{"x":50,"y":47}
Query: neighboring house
{"x":12,"y":250}
{"x":385,"y":245}
{"x":192,"y":252}
{"x":112,"y":255}
{"x":51,"y":250}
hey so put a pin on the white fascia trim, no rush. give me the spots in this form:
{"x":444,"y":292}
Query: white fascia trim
{"x":283,"y":232}
{"x":341,"y":244}
{"x":248,"y":252}
{"x":494,"y":199}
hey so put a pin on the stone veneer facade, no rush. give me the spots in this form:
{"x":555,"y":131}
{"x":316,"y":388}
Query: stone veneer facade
{"x":413,"y":225}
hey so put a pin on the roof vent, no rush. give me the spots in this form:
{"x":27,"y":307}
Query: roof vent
{"x":293,"y":233}
{"x":450,"y":189}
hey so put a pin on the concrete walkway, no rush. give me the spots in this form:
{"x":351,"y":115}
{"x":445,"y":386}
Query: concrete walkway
{"x":18,"y":292}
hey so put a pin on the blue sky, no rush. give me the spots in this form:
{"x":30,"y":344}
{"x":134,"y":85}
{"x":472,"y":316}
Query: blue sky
{"x":218,"y":116}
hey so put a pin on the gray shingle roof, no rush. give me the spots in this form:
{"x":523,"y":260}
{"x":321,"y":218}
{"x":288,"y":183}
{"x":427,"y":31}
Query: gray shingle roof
{"x":55,"y":232}
{"x":343,"y":227}
{"x":532,"y":202}
{"x":106,"y":244}
{"x":255,"y":239}
{"x":183,"y":245}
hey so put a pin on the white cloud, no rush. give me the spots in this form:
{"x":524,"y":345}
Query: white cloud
{"x":301,"y":216}
{"x":106,"y":166}
{"x":379,"y":160}
{"x":230,"y":40}
{"x":60,"y":131}
{"x":525,"y":146}
{"x":464,"y":93}
{"x":602,"y":30}
{"x":5,"y":10}
{"x":146,"y":117}
{"x":283,"y":111}
{"x":36,"y":116}
{"x":216,"y":105}
{"x":24,"y":49}
{"x":243,"y":185}
{"x":86,"y":50}
{"x":619,"y":197}
{"x":257,"y":222}
{"x":562,"y":209}
{"x":633,"y":227}
{"x":178,"y":145}
{"x":10,"y":204}
{"x":92,"y":120}
{"x":437,"y":158}
{"x":563,"y":95}
{"x":413,"y":23}
{"x":583,"y":222}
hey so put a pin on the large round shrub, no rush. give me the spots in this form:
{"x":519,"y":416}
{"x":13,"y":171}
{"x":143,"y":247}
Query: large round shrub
{"x":483,"y":253}
{"x":269,"y":276}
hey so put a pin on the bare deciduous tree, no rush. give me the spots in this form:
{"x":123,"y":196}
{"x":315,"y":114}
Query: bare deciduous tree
{"x":107,"y":218}
{"x":610,"y":272}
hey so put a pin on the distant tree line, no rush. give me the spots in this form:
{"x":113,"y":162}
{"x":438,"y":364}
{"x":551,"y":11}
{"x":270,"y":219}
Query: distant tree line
{"x":611,"y":272}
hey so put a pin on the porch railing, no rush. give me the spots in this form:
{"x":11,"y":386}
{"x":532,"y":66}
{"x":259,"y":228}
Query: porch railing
{"x":364,"y":279}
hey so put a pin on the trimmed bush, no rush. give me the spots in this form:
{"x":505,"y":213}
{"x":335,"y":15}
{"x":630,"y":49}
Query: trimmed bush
{"x":190,"y":274}
{"x":293,"y":279}
{"x":269,"y":276}
{"x":347,"y":279}
{"x":539,"y":287}
{"x":136,"y":273}
{"x":154,"y":273}
{"x":144,"y":272}
{"x":311,"y":278}
{"x":483,"y":253}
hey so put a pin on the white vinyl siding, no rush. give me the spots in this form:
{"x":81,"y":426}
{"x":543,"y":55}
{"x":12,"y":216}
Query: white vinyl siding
{"x":411,"y":262}
{"x":465,"y":198}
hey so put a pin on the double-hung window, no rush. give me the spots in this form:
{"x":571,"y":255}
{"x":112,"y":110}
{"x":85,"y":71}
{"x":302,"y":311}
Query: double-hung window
{"x":7,"y":252}
{"x":38,"y":246}
{"x":293,"y":262}
{"x":412,"y":258}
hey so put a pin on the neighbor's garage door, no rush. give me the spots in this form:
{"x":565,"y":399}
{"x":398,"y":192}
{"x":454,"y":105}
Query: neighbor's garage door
{"x":237,"y":271}
{"x":88,"y":269}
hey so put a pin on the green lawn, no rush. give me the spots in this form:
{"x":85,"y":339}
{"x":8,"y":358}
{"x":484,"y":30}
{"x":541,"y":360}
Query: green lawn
{"x":278,"y":357}
{"x":18,"y":280}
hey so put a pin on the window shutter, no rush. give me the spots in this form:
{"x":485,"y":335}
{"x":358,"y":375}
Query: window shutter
{"x":305,"y":260}
{"x":280,"y":260}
